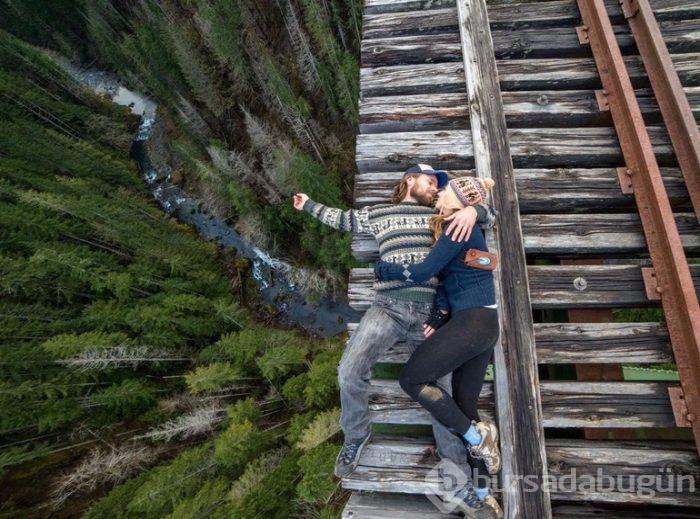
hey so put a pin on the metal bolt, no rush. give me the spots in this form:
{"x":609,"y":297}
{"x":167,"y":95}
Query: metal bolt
{"x":580,"y":284}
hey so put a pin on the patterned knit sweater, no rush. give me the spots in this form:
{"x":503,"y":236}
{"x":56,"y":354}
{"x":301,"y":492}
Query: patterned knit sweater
{"x":403,"y":234}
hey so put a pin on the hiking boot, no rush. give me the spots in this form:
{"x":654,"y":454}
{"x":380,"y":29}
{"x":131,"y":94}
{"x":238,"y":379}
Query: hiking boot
{"x":349,"y":456}
{"x":487,"y":450}
{"x":467,"y":502}
{"x":490,"y":502}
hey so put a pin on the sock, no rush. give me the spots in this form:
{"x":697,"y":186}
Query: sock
{"x":481,"y":492}
{"x":472,"y":436}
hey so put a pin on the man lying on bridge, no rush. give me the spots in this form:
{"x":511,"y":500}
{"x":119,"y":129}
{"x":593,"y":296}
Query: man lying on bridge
{"x":400,"y":308}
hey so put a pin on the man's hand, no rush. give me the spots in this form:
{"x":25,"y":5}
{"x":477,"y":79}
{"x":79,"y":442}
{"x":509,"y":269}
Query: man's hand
{"x":461,"y":223}
{"x":299,"y":201}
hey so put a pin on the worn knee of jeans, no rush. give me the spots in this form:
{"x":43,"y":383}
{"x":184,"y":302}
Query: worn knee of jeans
{"x":349,"y":374}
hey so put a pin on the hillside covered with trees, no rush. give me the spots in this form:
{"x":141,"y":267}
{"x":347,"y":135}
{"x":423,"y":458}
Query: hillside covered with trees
{"x":138,"y":375}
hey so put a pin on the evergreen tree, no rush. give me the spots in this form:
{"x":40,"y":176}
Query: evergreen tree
{"x":117,"y":324}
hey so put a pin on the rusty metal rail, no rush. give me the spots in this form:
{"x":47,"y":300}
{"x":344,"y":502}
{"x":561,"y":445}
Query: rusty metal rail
{"x":669,"y":93}
{"x":670,"y":276}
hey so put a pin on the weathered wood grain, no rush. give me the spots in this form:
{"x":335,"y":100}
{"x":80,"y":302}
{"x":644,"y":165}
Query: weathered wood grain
{"x":393,"y":465}
{"x":555,"y":286}
{"x":408,"y":94}
{"x":529,"y":147}
{"x":583,"y":343}
{"x":390,"y":506}
{"x":372,"y":7}
{"x":382,"y":15}
{"x":518,"y":406}
{"x":571,"y":190}
{"x":565,"y":235}
{"x":596,"y":234}
{"x":411,"y":45}
{"x":602,"y":343}
{"x":522,"y":74}
{"x":564,"y":404}
{"x":550,"y":108}
{"x":382,"y":505}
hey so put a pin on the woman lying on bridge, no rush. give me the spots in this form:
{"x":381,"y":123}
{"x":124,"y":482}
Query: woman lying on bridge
{"x":460,"y":337}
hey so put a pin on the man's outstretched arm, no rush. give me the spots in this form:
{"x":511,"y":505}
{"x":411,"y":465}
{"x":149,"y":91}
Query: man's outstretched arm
{"x":353,"y":220}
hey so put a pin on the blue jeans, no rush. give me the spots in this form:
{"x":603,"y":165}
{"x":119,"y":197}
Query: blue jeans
{"x":385,"y":323}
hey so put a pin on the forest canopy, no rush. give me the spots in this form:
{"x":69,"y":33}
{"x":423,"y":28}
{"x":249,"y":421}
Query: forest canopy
{"x":135,"y":380}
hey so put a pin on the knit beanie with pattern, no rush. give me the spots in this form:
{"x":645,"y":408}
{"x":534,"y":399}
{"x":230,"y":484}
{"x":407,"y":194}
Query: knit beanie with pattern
{"x":471,"y":190}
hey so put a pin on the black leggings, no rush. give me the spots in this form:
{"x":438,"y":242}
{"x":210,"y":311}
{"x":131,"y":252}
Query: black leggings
{"x":463,"y":347}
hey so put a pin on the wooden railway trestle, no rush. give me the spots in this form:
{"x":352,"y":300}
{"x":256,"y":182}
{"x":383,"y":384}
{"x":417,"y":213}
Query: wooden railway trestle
{"x":524,"y":103}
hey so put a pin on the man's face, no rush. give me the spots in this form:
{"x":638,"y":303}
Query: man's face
{"x":424,"y":189}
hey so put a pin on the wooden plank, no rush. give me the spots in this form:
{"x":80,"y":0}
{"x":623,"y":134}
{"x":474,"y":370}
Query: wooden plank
{"x":575,"y":234}
{"x":374,"y":505}
{"x":602,"y":343}
{"x":379,"y":505}
{"x":585,"y":286}
{"x":390,"y":506}
{"x":411,"y":45}
{"x":545,"y":190}
{"x":555,"y":286}
{"x":383,"y":18}
{"x":515,"y":362}
{"x":529,"y":147}
{"x":550,"y":108}
{"x":523,"y":74}
{"x":606,"y":404}
{"x":583,"y":343}
{"x":399,"y":466}
{"x":597,"y":234}
{"x":564,"y":404}
{"x":646,"y":510}
{"x":389,"y":6}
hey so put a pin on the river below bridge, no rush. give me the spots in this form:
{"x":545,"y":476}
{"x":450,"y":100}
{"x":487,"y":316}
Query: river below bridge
{"x":325,"y":317}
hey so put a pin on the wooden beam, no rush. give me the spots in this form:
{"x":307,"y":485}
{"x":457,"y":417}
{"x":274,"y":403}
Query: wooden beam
{"x":551,"y":190}
{"x":520,"y":74}
{"x":411,"y":46}
{"x":515,"y":361}
{"x":385,"y":17}
{"x":556,"y":286}
{"x":530,"y":148}
{"x":566,"y":235}
{"x":544,"y":108}
{"x":394,"y":465}
{"x":583,"y":343}
{"x":565,"y":404}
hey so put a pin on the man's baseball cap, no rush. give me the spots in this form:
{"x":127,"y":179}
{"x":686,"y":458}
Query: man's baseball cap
{"x":426,"y":169}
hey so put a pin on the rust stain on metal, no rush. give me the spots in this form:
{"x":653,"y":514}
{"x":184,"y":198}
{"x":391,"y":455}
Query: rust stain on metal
{"x":674,"y":105}
{"x":651,"y":286}
{"x":623,"y":176}
{"x":680,"y":409}
{"x":601,"y":97}
{"x":678,"y":296}
{"x":582,"y":32}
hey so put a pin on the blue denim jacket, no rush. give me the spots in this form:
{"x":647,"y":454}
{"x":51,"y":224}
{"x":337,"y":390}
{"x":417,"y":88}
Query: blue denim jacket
{"x":461,"y":286}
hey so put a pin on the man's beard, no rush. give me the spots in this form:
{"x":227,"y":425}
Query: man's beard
{"x":422,"y":197}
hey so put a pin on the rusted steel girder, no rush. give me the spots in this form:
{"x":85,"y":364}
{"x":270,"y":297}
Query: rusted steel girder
{"x":674,"y":283}
{"x":669,"y":93}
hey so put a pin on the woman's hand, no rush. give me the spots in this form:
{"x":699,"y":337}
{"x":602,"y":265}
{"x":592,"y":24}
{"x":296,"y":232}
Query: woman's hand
{"x":435,"y":320}
{"x":299,"y":200}
{"x":461,"y":223}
